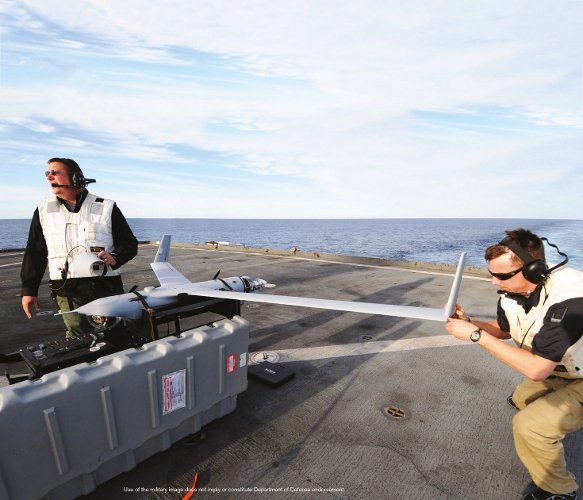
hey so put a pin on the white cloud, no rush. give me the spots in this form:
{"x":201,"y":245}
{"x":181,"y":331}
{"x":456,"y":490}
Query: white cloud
{"x":328,"y":94}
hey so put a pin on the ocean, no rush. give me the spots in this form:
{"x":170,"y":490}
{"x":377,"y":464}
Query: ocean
{"x":425,"y":240}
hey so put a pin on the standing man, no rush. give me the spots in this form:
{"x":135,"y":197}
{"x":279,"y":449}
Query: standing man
{"x":541,"y":309}
{"x":64,"y":226}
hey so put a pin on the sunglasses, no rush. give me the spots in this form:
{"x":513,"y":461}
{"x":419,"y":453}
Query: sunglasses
{"x":505,"y":276}
{"x":55,"y":172}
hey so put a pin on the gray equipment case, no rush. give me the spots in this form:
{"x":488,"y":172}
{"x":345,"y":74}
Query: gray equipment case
{"x":73,"y":429}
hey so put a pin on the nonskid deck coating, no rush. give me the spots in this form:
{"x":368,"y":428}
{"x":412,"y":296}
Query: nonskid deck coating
{"x":327,"y":433}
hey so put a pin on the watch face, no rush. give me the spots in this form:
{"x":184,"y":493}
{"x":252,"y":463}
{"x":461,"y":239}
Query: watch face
{"x":475,"y":336}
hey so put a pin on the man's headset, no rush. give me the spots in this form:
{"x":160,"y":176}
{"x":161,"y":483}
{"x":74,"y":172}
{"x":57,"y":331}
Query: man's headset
{"x":534,"y":270}
{"x":78,"y":180}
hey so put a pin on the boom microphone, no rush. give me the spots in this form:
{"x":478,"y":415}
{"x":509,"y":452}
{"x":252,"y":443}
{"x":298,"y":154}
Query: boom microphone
{"x":77,"y":184}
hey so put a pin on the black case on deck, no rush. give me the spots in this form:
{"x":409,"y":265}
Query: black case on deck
{"x":270,"y":373}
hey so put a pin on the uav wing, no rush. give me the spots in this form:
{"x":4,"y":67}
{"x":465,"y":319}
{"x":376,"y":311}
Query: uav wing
{"x":426,"y":313}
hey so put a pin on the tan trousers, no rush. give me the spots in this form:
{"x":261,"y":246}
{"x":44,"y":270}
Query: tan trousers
{"x":548,"y":411}
{"x":76,"y":324}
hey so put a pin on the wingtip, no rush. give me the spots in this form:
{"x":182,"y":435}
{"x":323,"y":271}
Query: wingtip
{"x":452,"y":300}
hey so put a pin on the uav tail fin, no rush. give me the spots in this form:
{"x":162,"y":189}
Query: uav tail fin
{"x":163,"y":253}
{"x":165,"y":272}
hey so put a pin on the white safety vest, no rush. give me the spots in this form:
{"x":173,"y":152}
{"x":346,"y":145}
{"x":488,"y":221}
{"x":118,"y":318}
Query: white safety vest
{"x":561,"y":285}
{"x":69,"y":234}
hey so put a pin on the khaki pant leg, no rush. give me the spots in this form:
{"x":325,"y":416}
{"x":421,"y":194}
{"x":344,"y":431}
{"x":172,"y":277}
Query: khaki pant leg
{"x":539,"y":429}
{"x":529,"y":390}
{"x":76,"y":324}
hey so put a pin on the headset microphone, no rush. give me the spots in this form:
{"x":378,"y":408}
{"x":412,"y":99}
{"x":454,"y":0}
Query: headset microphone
{"x":78,"y":180}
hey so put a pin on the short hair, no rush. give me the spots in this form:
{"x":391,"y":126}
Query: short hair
{"x":526,"y":239}
{"x":72,"y":166}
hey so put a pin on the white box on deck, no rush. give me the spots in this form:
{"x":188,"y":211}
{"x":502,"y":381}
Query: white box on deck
{"x":71,"y":430}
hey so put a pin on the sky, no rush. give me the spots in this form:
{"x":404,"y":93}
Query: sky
{"x":297,"y":109}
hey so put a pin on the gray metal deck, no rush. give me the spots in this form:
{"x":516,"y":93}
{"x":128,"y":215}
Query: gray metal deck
{"x":380,"y":407}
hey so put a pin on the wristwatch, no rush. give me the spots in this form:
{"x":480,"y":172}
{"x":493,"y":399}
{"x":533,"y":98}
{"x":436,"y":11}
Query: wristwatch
{"x":475,"y":335}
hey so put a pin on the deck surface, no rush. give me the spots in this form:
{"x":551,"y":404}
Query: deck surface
{"x":379,"y":408}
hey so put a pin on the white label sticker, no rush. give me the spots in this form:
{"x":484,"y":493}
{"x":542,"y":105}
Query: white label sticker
{"x":174,"y":391}
{"x":243,"y":360}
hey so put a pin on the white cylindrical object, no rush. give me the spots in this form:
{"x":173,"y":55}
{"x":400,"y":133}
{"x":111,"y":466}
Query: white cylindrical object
{"x":87,"y":265}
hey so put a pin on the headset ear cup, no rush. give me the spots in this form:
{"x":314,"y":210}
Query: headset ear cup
{"x":535,"y":271}
{"x":78,"y":180}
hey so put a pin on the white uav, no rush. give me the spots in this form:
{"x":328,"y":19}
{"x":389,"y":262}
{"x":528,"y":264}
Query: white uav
{"x":174,"y":284}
